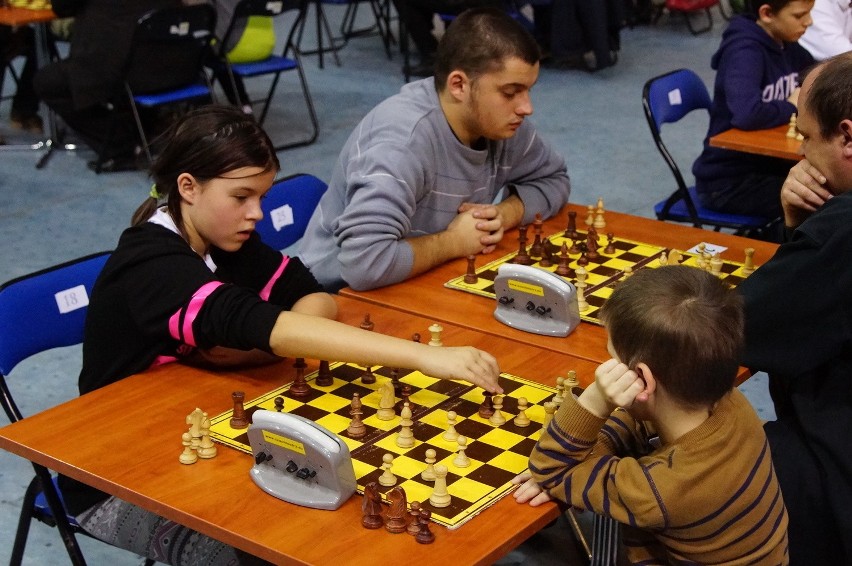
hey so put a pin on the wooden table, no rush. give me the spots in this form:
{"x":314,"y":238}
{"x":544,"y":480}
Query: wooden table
{"x":15,"y":17}
{"x":772,"y":142}
{"x":125,"y":439}
{"x":426,"y":295}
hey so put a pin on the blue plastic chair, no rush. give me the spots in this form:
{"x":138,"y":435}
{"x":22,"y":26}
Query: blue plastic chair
{"x":666,"y":99}
{"x":289,"y":60}
{"x":38,"y":312}
{"x":287,"y":208}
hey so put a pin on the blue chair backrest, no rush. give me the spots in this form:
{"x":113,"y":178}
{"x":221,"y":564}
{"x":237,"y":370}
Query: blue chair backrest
{"x":46,"y":309}
{"x":672,"y":96}
{"x":287,"y":208}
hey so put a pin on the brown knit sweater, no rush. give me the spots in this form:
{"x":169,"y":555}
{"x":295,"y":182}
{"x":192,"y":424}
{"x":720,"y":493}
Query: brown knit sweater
{"x":709,"y":497}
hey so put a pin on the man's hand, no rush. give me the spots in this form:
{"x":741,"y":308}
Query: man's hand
{"x":802,"y":193}
{"x":529,"y":490}
{"x":616,"y":385}
{"x":491,"y":223}
{"x":465,"y":235}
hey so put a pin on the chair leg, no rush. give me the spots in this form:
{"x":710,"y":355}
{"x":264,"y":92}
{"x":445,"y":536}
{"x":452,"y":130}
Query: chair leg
{"x":139,"y":127}
{"x":699,"y":31}
{"x":60,"y":516}
{"x":24,"y":522}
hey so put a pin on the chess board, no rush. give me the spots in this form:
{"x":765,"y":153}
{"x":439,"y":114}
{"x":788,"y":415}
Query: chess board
{"x":497,"y":454}
{"x":31,"y":4}
{"x":602,"y":273}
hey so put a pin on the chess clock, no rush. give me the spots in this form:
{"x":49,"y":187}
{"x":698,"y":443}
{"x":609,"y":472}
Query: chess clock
{"x":535,"y":300}
{"x":299,"y":461}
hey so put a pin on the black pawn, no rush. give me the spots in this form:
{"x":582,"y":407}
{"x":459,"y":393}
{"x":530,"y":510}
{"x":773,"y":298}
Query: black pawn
{"x":279,"y":404}
{"x":324,"y":377}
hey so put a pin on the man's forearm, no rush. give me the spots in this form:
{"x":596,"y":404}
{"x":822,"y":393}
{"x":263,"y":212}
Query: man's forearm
{"x":431,"y":250}
{"x":512,"y":211}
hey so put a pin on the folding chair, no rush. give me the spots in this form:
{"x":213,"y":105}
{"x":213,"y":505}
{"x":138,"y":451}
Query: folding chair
{"x":666,"y":99}
{"x":165,"y":65}
{"x":38,"y":312}
{"x":287,"y":208}
{"x":689,"y":7}
{"x":289,"y":60}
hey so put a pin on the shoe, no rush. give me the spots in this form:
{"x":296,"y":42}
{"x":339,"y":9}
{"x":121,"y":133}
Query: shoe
{"x":28,"y":122}
{"x":115,"y":164}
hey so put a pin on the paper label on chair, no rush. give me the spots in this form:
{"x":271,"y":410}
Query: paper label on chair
{"x":281,"y":217}
{"x":675,"y":98}
{"x":72,"y":299}
{"x":274,"y":7}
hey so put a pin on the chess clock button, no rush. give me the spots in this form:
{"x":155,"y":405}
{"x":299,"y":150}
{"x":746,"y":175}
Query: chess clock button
{"x":262,"y":457}
{"x":305,"y":473}
{"x":292,"y":466}
{"x":530,"y":306}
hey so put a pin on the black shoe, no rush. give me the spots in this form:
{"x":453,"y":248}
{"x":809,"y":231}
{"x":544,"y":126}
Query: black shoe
{"x":115,"y":164}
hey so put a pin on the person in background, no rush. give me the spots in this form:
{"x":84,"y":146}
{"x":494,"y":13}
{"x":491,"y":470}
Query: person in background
{"x":415,"y":184}
{"x":758,"y":71}
{"x":20,"y":42}
{"x":831,"y":32}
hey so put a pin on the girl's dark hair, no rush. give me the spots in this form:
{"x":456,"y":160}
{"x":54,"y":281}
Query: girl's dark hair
{"x":206,"y":143}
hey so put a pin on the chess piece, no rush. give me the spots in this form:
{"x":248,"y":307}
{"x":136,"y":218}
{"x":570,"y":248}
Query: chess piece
{"x":387,"y":478}
{"x":415,"y":337}
{"x":562,"y":267}
{"x":571,"y":382}
{"x":440,"y":496}
{"x":575,"y":247}
{"x":356,"y":428}
{"x":470,"y":276}
{"x":368,"y":377}
{"x":663,"y":260}
{"x":497,"y":419}
{"x":367,"y":324}
{"x":536,"y":248}
{"x":450,"y":435}
{"x":522,"y":257}
{"x":324,"y":377}
{"x":279,"y":403}
{"x":206,"y":448}
{"x":425,"y":536}
{"x":583,"y":260}
{"x":413,"y":518}
{"x":716,"y":264}
{"x":675,"y":257}
{"x":194,"y":420}
{"x":628,"y":271}
{"x":386,"y":403}
{"x":549,"y":409}
{"x":486,"y":409}
{"x":792,"y":129}
{"x":188,"y":456}
{"x":571,"y":230}
{"x":239,"y":419}
{"x":436,"y":329}
{"x":405,"y":437}
{"x":429,"y":473}
{"x":600,"y":222}
{"x":580,"y":285}
{"x":521,"y":419}
{"x":300,"y":388}
{"x":546,"y":254}
{"x":748,"y":266}
{"x":559,"y":397}
{"x":398,"y":511}
{"x":591,"y":246}
{"x":590,"y":216}
{"x":405,"y":393}
{"x":610,"y":244}
{"x":371,"y":507}
{"x":397,"y":386}
{"x":461,"y":460}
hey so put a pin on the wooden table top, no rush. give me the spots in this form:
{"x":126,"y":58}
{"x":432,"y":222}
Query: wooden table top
{"x":14,"y":17}
{"x":426,"y":296}
{"x":772,"y":142}
{"x":125,"y":439}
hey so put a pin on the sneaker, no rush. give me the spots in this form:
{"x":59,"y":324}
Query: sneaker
{"x":28,"y":122}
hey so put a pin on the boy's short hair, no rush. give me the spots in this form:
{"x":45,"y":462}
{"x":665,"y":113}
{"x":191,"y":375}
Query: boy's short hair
{"x":830,"y":97}
{"x":753,"y":6}
{"x":685,"y":324}
{"x":478,"y":41}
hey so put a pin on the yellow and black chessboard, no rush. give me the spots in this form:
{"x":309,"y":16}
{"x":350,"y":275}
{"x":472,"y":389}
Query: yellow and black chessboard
{"x":31,"y":4}
{"x":602,"y":273}
{"x":497,"y":454}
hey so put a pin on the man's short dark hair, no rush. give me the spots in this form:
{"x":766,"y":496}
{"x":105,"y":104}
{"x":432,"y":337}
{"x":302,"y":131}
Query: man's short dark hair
{"x":830,"y":96}
{"x":478,"y":41}
{"x":685,"y":324}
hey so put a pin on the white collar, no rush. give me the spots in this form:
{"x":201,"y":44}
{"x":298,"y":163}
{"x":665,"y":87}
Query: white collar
{"x":164,"y":219}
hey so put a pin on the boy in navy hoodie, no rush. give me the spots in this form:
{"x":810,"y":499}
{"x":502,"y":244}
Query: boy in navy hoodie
{"x":758,"y":68}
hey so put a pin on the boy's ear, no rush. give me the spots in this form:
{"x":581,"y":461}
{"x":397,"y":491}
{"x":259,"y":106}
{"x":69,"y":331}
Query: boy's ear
{"x":643,"y":371}
{"x":846,"y":131}
{"x":764,"y":13}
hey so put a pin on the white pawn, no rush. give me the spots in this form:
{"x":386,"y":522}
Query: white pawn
{"x":450,"y":435}
{"x":206,"y":449}
{"x":571,"y":381}
{"x":405,"y":438}
{"x":580,"y":285}
{"x":560,"y":391}
{"x":440,"y":496}
{"x":716,"y":264}
{"x":748,"y":267}
{"x":549,"y":409}
{"x":188,"y":456}
{"x":461,"y":460}
{"x":522,"y":420}
{"x":497,"y":418}
{"x":387,"y":478}
{"x":436,"y":330}
{"x":429,"y":473}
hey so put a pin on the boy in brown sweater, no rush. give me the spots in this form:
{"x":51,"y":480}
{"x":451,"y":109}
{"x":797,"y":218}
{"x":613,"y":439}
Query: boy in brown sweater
{"x":661,"y":441}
